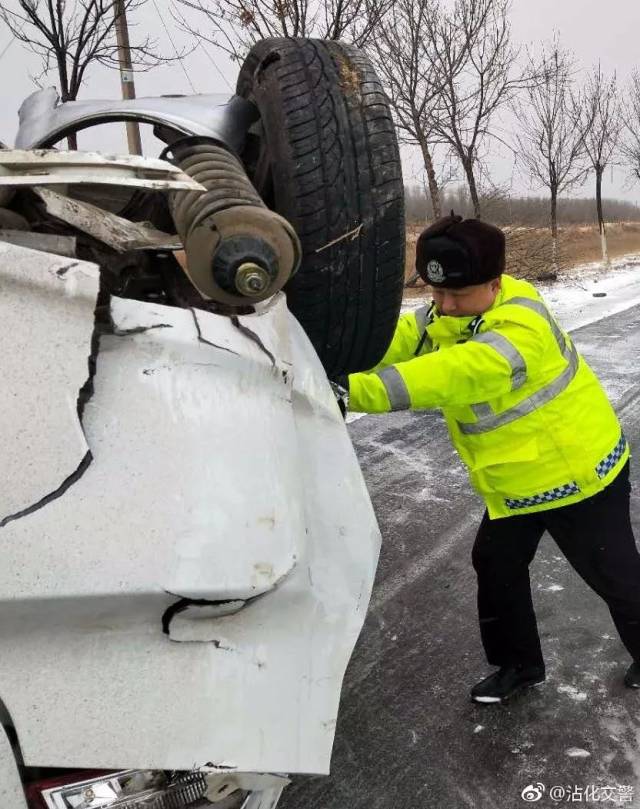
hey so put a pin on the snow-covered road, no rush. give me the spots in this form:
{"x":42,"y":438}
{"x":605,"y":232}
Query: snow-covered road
{"x":407,"y":735}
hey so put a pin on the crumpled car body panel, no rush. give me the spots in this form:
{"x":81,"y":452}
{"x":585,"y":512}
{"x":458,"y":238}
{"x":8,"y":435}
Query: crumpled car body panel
{"x":44,"y":120}
{"x":219,"y":470}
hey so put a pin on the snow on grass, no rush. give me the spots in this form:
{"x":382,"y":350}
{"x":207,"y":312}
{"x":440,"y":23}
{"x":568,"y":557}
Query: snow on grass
{"x":571,"y":298}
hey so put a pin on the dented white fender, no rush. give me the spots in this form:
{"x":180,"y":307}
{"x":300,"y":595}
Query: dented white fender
{"x":218,"y":470}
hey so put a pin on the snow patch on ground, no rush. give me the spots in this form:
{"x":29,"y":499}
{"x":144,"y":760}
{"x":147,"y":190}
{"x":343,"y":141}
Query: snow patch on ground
{"x":617,"y":723}
{"x":572,"y":298}
{"x":577,"y":752}
{"x":572,"y":691}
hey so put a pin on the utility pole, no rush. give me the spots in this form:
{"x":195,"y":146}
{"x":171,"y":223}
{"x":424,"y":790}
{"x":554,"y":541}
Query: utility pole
{"x":126,"y":72}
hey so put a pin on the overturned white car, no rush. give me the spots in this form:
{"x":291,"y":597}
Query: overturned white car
{"x":187,"y":544}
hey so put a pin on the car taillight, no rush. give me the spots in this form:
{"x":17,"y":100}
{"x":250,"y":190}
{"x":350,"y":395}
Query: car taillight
{"x":129,"y":789}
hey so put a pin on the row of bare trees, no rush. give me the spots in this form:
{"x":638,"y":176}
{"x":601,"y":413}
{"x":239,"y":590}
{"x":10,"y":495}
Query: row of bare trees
{"x":453,"y":75}
{"x":567,"y":131}
{"x":451,"y":70}
{"x":448,"y":69}
{"x":508,"y":209}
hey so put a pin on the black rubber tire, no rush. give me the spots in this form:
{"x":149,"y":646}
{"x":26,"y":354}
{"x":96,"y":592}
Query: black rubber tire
{"x":329,"y":141}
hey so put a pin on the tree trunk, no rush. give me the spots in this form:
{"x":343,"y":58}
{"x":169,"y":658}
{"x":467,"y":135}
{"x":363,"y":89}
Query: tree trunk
{"x":554,"y":229}
{"x":434,"y":191}
{"x":601,"y":224}
{"x":66,"y":94}
{"x":467,"y":164}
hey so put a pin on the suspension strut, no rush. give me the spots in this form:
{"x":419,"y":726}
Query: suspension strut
{"x":238,"y":251}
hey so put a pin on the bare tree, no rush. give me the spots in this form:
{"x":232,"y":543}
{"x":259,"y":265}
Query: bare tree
{"x":551,"y":139}
{"x":630,"y":145}
{"x":471,"y":55}
{"x":399,"y":48}
{"x":72,"y":37}
{"x":602,"y":123}
{"x":235,"y":25}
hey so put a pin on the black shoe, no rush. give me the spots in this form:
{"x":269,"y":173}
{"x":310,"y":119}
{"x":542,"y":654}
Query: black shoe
{"x":632,"y":677}
{"x":505,"y":682}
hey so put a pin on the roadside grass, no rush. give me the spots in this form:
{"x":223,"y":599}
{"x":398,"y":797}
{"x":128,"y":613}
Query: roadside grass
{"x":529,"y":249}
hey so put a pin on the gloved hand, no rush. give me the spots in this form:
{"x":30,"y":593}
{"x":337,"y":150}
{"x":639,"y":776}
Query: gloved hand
{"x":340,"y":388}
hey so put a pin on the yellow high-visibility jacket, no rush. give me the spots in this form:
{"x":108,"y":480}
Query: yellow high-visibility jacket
{"x":525,"y":412}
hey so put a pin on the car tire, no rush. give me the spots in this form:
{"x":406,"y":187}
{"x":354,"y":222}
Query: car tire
{"x":324,"y":155}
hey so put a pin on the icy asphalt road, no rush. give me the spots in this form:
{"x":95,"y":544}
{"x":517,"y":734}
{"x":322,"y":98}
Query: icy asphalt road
{"x":408,"y":737}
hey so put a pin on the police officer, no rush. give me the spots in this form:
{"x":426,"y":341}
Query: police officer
{"x":533,"y":425}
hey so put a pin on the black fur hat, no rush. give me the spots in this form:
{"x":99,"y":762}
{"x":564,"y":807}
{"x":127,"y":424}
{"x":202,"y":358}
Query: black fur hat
{"x":455,"y":253}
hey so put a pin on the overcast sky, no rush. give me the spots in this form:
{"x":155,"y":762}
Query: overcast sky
{"x":594,"y":31}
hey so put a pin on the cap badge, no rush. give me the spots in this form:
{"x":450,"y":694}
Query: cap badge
{"x":435,"y":272}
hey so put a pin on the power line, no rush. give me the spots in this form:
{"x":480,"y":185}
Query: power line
{"x":12,"y":40}
{"x":7,"y":46}
{"x":213,"y":62}
{"x":175,"y":50}
{"x":204,"y":50}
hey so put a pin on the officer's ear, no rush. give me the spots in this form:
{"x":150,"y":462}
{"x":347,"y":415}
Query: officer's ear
{"x":496,"y":285}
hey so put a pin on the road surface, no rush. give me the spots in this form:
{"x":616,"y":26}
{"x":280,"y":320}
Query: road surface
{"x":408,"y":736}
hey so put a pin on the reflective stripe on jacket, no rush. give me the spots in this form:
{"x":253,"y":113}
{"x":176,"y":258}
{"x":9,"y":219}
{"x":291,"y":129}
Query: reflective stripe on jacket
{"x":524,"y":410}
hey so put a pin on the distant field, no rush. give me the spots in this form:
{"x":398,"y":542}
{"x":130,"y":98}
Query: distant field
{"x":529,"y":249}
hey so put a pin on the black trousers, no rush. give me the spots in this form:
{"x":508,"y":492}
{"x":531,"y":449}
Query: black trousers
{"x":596,"y":537}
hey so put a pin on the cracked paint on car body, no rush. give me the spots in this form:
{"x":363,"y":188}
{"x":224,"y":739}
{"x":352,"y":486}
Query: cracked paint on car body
{"x":221,"y":472}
